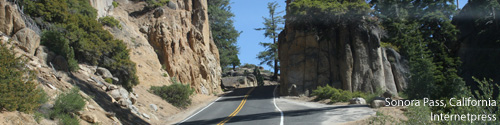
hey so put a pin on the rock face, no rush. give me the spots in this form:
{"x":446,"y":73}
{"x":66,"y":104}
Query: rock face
{"x":169,"y":41}
{"x":239,"y":81}
{"x":12,"y":24}
{"x":184,"y":46}
{"x":478,"y":44}
{"x":102,"y":6}
{"x":347,"y":56}
{"x":28,"y":40}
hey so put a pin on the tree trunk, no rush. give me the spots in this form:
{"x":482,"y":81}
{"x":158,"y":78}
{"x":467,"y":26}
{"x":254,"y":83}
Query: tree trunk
{"x":275,"y":75}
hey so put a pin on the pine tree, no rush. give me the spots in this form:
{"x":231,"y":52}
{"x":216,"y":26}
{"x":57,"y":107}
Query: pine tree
{"x":18,"y":91}
{"x":271,"y":28}
{"x":425,"y":46}
{"x":223,"y":32}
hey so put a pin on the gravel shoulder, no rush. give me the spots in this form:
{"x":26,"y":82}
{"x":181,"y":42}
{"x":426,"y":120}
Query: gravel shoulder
{"x":301,"y":111}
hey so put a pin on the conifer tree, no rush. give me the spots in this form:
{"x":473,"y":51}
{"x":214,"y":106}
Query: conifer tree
{"x":18,"y":91}
{"x":426,"y":45}
{"x":272,"y":29}
{"x":223,"y":32}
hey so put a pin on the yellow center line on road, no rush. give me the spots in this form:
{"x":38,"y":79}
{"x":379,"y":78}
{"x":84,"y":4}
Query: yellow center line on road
{"x":237,"y":109}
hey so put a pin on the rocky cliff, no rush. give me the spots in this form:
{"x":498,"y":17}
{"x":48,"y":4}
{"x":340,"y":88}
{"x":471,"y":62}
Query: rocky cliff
{"x":102,"y":6}
{"x":173,"y":40}
{"x":347,"y":56}
{"x":176,"y":36}
{"x":13,"y":24}
{"x":478,"y":43}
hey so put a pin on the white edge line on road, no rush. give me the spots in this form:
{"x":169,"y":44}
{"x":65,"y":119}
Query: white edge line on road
{"x":274,"y":100}
{"x":199,"y":111}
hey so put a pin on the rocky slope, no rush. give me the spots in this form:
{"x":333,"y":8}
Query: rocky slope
{"x":175,"y":37}
{"x":170,"y":41}
{"x":348,"y":56}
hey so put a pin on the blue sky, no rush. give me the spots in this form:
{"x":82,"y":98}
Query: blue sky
{"x":248,"y":16}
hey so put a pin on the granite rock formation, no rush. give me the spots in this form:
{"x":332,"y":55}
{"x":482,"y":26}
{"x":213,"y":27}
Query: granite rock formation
{"x":347,"y":56}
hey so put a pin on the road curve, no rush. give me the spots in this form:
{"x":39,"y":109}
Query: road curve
{"x":258,"y":109}
{"x":255,"y":106}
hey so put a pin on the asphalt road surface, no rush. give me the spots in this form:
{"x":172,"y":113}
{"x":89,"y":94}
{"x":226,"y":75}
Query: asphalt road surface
{"x":257,"y":106}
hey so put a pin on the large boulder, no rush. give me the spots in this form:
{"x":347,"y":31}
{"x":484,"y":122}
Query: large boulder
{"x":115,"y":94}
{"x":28,"y":40}
{"x":105,"y":73}
{"x":377,"y":103}
{"x":159,"y":12}
{"x":91,"y":118}
{"x":60,"y":63}
{"x":358,"y":101}
{"x":153,"y":107}
{"x":172,"y":5}
{"x":239,"y":81}
{"x":123,"y":92}
{"x":133,"y":98}
{"x":44,"y":55}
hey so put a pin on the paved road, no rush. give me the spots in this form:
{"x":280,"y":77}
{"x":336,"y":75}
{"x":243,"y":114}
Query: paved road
{"x":255,"y":106}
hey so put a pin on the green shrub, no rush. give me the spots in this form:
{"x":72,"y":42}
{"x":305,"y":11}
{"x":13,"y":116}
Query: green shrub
{"x":38,"y":117}
{"x":382,"y":119}
{"x":369,"y":97}
{"x":66,"y":119}
{"x":73,"y":22}
{"x":250,"y":66}
{"x":18,"y":91}
{"x":324,"y":92}
{"x":418,"y":115}
{"x":341,"y":96}
{"x":109,"y":80}
{"x":335,"y":95}
{"x":110,"y":21}
{"x":67,"y":103}
{"x":176,"y":94}
{"x":56,"y":42}
{"x":258,"y":76}
{"x":115,"y":4}
{"x":486,"y":91}
{"x":324,"y":13}
{"x":156,"y":3}
{"x":389,"y":45}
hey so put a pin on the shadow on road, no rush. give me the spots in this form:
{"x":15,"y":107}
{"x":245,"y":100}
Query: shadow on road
{"x":269,"y":115}
{"x":261,"y":93}
{"x":239,"y":93}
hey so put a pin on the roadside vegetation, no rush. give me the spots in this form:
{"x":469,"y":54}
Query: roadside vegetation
{"x":71,"y":30}
{"x":422,"y":32}
{"x":66,"y":105}
{"x":18,"y":89}
{"x":271,"y":30}
{"x":110,"y":21}
{"x":156,"y":3}
{"x":258,"y":76}
{"x":340,"y":95}
{"x":176,"y":94}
